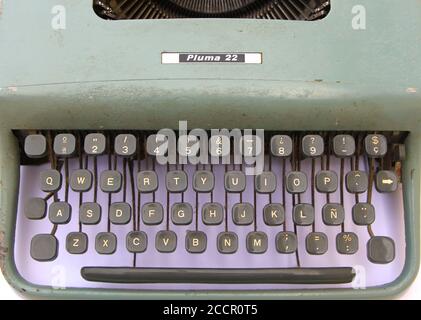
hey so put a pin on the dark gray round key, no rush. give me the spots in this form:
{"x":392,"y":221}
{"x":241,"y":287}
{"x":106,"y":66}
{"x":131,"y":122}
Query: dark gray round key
{"x":326,"y":181}
{"x":176,"y":181}
{"x":64,"y":144}
{"x":281,"y":146}
{"x":35,"y":208}
{"x":125,"y":145}
{"x":94,"y":144}
{"x":212,"y":213}
{"x":203,"y":181}
{"x":227,"y":242}
{"x":303,"y":214}
{"x":316,"y":243}
{"x":110,"y":181}
{"x":343,"y":145}
{"x":346,"y":243}
{"x":286,"y":242}
{"x":50,"y":180}
{"x":44,"y":247}
{"x":333,"y":214}
{"x":105,"y":243}
{"x":136,"y":241}
{"x":196,"y":241}
{"x":356,"y":181}
{"x":312,"y":145}
{"x":188,"y":145}
{"x":235,"y":181}
{"x":296,"y":182}
{"x":35,"y":146}
{"x":90,"y":213}
{"x":59,"y":212}
{"x":81,"y":180}
{"x":381,"y":250}
{"x":274,"y":214}
{"x":181,"y":213}
{"x":152,"y":213}
{"x":166,"y":241}
{"x":242,"y":213}
{"x":158,"y":145}
{"x":363,"y":214}
{"x":257,"y":242}
{"x":147,"y":181}
{"x":77,"y":242}
{"x":265,"y":182}
{"x":375,"y":145}
{"x":120,"y":213}
{"x":386,"y":181}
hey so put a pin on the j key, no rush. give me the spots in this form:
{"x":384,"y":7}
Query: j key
{"x":44,"y":247}
{"x":227,"y":242}
{"x":147,"y":181}
{"x":94,"y":144}
{"x":59,"y":212}
{"x":120,"y":213}
{"x":303,"y":214}
{"x":312,"y":145}
{"x":166,"y":241}
{"x":243,"y":213}
{"x":35,"y":146}
{"x":152,"y":213}
{"x":265,"y":182}
{"x":176,"y":181}
{"x":136,"y":241}
{"x":235,"y":181}
{"x":333,"y":214}
{"x":281,"y":146}
{"x":347,"y":243}
{"x":356,"y":181}
{"x":274,"y":214}
{"x":212,"y":213}
{"x":363,"y":214}
{"x":196,"y":241}
{"x":286,"y":242}
{"x":125,"y":145}
{"x":386,"y":181}
{"x":76,"y":242}
{"x":81,"y":180}
{"x":90,"y":213}
{"x":64,"y":144}
{"x":381,"y":250}
{"x":343,"y":145}
{"x":35,"y":208}
{"x":296,"y":182}
{"x":203,"y":181}
{"x":110,"y":181}
{"x":326,"y":181}
{"x":105,"y":243}
{"x":181,"y":213}
{"x":316,"y":243}
{"x":375,"y":145}
{"x":257,"y":242}
{"x":50,"y":180}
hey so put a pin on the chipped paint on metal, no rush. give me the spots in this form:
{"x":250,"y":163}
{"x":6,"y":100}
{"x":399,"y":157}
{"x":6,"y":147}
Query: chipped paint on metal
{"x":411,"y":90}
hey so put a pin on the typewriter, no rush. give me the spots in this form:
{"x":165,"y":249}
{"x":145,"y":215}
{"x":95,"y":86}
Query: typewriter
{"x":210,"y":149}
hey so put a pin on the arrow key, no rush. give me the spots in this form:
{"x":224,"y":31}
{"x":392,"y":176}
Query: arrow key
{"x":386,"y":181}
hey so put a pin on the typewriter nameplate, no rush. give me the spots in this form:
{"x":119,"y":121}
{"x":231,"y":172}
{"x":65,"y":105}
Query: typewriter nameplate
{"x":195,"y":57}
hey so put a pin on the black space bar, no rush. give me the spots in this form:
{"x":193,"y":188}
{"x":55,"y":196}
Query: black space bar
{"x":200,"y":275}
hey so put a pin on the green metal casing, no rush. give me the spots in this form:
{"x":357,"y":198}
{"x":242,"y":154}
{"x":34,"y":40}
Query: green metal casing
{"x":321,"y":75}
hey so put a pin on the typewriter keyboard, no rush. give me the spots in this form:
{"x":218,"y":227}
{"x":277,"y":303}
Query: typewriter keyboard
{"x":166,"y":210}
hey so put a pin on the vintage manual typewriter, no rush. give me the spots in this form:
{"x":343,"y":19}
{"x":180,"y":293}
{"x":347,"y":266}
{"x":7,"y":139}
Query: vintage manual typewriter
{"x":210,"y":148}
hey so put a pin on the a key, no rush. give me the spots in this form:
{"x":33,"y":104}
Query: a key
{"x":326,"y":181}
{"x":212,"y":213}
{"x":35,"y":208}
{"x":381,"y":250}
{"x":363,"y":214}
{"x":64,"y":144}
{"x":257,"y":242}
{"x":343,"y":145}
{"x":94,"y":144}
{"x":120,"y":213}
{"x":90,"y":213}
{"x":152,"y":213}
{"x":303,"y":214}
{"x":203,"y":181}
{"x":265,"y":182}
{"x":125,"y":145}
{"x":110,"y":181}
{"x":181,"y":213}
{"x":312,"y":145}
{"x":386,"y":181}
{"x":286,"y":242}
{"x":136,"y":241}
{"x":316,"y":243}
{"x":59,"y":212}
{"x":196,"y":241}
{"x":105,"y":243}
{"x":235,"y":181}
{"x":166,"y":241}
{"x":243,"y":213}
{"x":147,"y":181}
{"x":81,"y":180}
{"x":44,"y":247}
{"x":347,"y":243}
{"x":35,"y":146}
{"x":356,"y":181}
{"x":296,"y":182}
{"x":176,"y":181}
{"x":76,"y":242}
{"x":227,"y":242}
{"x":274,"y":214}
{"x":50,"y":180}
{"x":375,"y":145}
{"x":333,"y":214}
{"x":281,"y":146}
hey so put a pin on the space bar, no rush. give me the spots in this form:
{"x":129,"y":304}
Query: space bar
{"x":205,"y":275}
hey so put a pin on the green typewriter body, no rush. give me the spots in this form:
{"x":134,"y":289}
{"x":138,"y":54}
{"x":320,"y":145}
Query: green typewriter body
{"x":80,"y":75}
